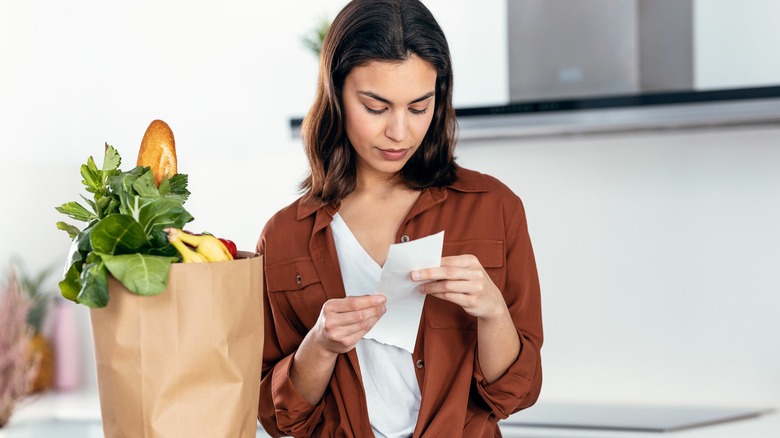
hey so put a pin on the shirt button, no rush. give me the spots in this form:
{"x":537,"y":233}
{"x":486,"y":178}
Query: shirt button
{"x":298,"y":279}
{"x":419,"y":363}
{"x":404,"y":238}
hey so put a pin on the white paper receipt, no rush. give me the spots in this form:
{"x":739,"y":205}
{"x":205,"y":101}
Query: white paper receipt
{"x":398,"y":326}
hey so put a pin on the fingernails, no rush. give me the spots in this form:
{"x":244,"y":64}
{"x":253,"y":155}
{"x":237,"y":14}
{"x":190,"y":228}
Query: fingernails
{"x":415,"y":275}
{"x":383,"y":309}
{"x":380,"y":299}
{"x":421,"y":289}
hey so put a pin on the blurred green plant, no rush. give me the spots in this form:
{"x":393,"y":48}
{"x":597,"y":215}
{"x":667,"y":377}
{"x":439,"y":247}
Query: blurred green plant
{"x":313,"y":40}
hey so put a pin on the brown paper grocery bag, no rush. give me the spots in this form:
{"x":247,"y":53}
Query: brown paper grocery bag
{"x":187,"y":362}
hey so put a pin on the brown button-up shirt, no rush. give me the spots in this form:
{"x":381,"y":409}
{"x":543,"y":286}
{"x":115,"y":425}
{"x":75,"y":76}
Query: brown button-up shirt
{"x":480,"y":216}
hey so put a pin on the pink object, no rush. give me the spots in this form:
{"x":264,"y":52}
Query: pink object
{"x":66,"y":347}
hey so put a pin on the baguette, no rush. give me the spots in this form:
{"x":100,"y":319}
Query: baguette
{"x":158,"y":151}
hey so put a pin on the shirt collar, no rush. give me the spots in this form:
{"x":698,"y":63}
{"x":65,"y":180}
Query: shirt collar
{"x":467,"y":182}
{"x":307,"y":208}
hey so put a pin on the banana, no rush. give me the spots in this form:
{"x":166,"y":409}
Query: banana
{"x":207,"y":247}
{"x":187,"y":255}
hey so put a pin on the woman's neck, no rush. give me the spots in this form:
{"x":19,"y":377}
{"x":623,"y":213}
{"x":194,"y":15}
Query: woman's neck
{"x":379,"y":185}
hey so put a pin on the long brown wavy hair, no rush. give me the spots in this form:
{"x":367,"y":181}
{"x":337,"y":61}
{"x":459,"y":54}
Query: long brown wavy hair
{"x":377,"y":30}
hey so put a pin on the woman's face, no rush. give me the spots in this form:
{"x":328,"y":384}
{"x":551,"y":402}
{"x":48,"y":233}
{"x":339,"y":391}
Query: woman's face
{"x":388,"y":107}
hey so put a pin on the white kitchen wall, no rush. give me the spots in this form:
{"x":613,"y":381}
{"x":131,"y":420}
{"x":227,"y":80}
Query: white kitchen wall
{"x":658,"y":252}
{"x":658,"y":256}
{"x":734,"y":43}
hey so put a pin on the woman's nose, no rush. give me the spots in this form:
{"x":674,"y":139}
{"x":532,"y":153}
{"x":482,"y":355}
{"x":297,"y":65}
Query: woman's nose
{"x":396,"y":129}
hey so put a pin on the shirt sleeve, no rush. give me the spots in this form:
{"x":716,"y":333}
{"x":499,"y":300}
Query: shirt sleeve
{"x":282,"y":411}
{"x":519,"y":386}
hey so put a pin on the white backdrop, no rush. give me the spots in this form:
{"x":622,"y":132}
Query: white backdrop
{"x":658,"y":256}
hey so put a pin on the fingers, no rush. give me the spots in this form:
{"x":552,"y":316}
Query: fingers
{"x":345,"y":337}
{"x":334,"y":314}
{"x":473,"y":286}
{"x":467,"y":301}
{"x":355,"y":303}
{"x":462,"y":267}
{"x":343,"y":322}
{"x":462,"y":280}
{"x":359,"y":329}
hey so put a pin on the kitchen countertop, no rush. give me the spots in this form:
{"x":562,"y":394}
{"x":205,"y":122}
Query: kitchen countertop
{"x":764,"y":426}
{"x":77,"y":414}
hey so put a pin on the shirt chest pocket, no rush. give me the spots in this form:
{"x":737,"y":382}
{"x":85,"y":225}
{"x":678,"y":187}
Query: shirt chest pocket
{"x":296,"y":294}
{"x":490,"y":253}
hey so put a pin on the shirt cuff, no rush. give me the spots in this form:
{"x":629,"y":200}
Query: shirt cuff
{"x":294,"y":415}
{"x":506,"y":394}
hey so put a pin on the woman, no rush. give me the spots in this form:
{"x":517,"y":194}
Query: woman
{"x":380,"y":140}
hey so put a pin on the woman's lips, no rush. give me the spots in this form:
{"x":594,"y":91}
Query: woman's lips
{"x":393,"y":154}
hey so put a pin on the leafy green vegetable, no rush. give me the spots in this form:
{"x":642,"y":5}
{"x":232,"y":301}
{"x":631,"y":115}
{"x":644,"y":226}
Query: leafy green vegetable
{"x":163,"y":213}
{"x":111,"y":159}
{"x":70,"y":286}
{"x":124,"y":233}
{"x":76,"y":211}
{"x":118,"y":234}
{"x":92,"y":176}
{"x":94,"y":289}
{"x":178,"y":185}
{"x":142,"y":274}
{"x":70,"y":229}
{"x":144,"y":186}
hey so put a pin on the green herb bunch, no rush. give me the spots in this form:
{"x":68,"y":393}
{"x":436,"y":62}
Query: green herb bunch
{"x":124,"y":231}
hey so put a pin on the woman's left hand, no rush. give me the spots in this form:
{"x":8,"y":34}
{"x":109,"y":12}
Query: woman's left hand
{"x":463,"y":281}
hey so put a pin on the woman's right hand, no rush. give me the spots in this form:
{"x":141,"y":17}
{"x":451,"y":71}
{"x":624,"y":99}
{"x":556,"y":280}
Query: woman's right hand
{"x":344,"y":321}
{"x":341,"y":324}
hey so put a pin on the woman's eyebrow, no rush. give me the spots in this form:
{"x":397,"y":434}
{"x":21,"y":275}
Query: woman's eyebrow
{"x":387,"y":101}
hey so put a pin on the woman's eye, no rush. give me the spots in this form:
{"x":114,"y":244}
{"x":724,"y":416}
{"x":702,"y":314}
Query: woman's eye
{"x":375,"y":111}
{"x":418,"y":111}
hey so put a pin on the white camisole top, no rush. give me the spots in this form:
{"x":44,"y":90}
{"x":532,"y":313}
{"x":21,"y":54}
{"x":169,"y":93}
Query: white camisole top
{"x":389,"y":379}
